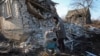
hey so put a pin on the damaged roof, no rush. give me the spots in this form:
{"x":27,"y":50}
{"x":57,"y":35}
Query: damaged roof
{"x":37,"y":7}
{"x":78,"y":12}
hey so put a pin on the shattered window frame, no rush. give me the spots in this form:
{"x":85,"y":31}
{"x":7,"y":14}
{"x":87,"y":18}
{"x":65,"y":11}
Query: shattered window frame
{"x":7,"y":9}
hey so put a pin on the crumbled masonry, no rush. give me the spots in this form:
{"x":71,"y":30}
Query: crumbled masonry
{"x":26,"y":24}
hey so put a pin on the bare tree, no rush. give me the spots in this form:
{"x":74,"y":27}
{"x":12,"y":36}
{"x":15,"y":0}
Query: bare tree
{"x":86,"y":4}
{"x":83,"y":3}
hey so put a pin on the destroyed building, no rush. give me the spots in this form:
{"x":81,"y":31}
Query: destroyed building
{"x":27,"y":22}
{"x":19,"y":17}
{"x":79,"y":16}
{"x":23,"y":20}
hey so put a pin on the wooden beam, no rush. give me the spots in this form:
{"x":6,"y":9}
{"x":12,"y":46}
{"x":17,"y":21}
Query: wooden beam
{"x":39,"y":6}
{"x":31,"y":4}
{"x":33,"y":11}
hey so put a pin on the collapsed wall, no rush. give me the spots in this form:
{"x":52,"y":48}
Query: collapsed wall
{"x":33,"y":24}
{"x":21,"y":23}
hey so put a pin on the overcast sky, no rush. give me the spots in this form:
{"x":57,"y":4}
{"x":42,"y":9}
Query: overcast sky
{"x":64,"y":6}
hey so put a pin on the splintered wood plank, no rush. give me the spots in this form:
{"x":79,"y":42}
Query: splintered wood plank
{"x":33,"y":11}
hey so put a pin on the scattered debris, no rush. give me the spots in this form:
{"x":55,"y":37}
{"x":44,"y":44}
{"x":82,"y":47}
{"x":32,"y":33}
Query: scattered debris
{"x":31,"y":31}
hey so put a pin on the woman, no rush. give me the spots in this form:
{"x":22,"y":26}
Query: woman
{"x":60,"y":33}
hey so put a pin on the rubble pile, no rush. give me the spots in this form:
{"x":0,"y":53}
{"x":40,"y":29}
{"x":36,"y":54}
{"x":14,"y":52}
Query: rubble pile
{"x":82,"y":39}
{"x":32,"y":21}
